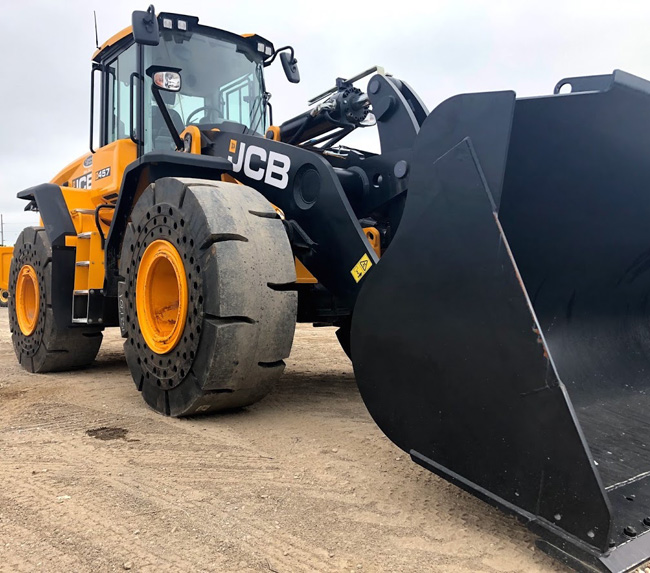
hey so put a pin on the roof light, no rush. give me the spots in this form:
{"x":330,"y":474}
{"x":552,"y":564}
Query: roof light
{"x":182,"y":25}
{"x":167,"y":23}
{"x":268,"y":51}
{"x":260,"y":47}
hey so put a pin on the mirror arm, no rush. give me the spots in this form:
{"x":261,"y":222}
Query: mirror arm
{"x":151,"y":13}
{"x":272,"y":58}
{"x":168,"y":119}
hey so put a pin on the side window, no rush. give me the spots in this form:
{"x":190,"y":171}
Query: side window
{"x":118,"y":97}
{"x":236,"y":97}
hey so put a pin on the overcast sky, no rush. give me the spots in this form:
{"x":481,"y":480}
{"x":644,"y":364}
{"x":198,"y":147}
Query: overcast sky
{"x":440,"y":47}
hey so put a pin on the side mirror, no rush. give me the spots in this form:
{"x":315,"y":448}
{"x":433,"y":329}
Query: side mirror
{"x":290,"y":66}
{"x":145,"y":27}
{"x":167,"y":80}
{"x":164,"y":78}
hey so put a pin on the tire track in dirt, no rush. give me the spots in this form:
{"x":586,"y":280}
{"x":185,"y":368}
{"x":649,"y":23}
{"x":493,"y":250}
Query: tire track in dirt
{"x":302,"y":481}
{"x":27,"y":550}
{"x":192,"y":503}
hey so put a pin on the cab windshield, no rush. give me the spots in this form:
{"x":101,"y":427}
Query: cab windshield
{"x":221,"y":81}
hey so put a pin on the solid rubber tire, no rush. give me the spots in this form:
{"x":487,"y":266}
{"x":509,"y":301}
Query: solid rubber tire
{"x":50,"y":347}
{"x":241,"y":319}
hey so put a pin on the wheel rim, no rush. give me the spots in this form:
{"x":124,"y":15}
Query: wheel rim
{"x":27,"y":300}
{"x":4,"y":296}
{"x":161,"y":296}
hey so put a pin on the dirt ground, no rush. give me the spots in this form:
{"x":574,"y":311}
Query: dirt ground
{"x":92,"y":480}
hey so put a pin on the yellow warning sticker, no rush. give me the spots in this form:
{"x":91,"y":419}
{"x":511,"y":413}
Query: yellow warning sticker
{"x":233,"y":146}
{"x":361,"y":268}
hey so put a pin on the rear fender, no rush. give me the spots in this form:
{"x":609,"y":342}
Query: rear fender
{"x":48,"y":200}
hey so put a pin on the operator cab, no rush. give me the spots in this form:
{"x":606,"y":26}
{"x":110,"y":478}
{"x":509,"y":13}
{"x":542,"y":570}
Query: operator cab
{"x":222,"y":81}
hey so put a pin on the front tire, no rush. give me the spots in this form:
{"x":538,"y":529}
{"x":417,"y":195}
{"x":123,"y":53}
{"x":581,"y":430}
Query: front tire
{"x":43,"y":339}
{"x":204,"y":305}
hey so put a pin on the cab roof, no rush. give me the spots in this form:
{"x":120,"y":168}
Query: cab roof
{"x":113,"y":40}
{"x":128,"y":31}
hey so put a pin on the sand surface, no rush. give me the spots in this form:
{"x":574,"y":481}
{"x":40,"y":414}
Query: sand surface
{"x":91,"y":480}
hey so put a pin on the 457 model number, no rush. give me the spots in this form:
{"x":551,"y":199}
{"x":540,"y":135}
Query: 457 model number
{"x":102,"y":173}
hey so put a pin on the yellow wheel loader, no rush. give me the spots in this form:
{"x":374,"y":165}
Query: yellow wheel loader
{"x":488,"y":271}
{"x":5,"y":265}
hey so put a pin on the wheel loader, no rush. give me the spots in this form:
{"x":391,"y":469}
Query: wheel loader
{"x":6,"y":254}
{"x":487,"y":270}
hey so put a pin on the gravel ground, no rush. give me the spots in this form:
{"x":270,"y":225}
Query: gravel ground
{"x":92,"y":480}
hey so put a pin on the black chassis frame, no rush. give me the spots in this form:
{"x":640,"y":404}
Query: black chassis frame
{"x":322,"y":226}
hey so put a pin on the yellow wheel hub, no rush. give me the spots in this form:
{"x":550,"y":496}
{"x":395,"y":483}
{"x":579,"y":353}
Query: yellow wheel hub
{"x":27,"y":300}
{"x":161,"y":296}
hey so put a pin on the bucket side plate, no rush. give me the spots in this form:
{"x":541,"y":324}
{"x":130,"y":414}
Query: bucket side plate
{"x":447,"y":349}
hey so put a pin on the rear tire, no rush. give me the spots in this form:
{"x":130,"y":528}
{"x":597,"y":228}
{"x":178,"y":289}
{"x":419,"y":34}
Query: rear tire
{"x":219,"y":340}
{"x":40,"y":341}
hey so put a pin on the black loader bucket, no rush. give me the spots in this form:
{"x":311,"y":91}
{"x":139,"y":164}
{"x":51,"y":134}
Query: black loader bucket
{"x":504,"y":338}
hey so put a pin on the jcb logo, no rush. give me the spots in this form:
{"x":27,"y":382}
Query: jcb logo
{"x":83,"y":182}
{"x":272,"y":167}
